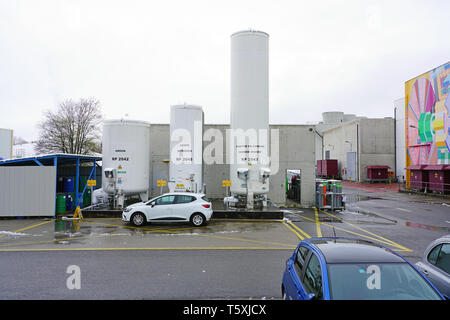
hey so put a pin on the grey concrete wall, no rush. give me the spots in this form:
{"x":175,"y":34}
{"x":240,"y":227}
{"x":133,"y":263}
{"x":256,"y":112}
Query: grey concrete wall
{"x":372,"y":139}
{"x":377,"y":144}
{"x":159,"y":151}
{"x":296,"y":151}
{"x":334,"y":142}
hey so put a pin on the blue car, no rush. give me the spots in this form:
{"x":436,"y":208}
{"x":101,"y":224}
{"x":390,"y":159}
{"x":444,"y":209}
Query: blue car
{"x":352,"y":269}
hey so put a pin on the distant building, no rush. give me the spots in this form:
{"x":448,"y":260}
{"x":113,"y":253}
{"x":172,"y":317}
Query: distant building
{"x":24,"y":150}
{"x":6,"y":143}
{"x":360,"y":143}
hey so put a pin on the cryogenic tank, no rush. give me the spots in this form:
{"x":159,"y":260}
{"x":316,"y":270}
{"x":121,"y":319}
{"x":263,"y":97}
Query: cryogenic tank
{"x":186,"y":148}
{"x":126,"y":151}
{"x":249,"y":114}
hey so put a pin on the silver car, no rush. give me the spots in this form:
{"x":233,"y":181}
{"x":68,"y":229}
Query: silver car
{"x":435,"y":264}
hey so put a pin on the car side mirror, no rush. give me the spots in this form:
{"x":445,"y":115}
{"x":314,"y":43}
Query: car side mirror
{"x":310,"y":296}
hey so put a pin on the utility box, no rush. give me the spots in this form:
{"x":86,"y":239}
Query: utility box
{"x":319,"y":167}
{"x":419,"y":179}
{"x":377,"y":173}
{"x":329,"y":168}
{"x":438,"y":180}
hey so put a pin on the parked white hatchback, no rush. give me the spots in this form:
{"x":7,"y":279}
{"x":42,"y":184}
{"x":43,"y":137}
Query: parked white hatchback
{"x":171,"y":207}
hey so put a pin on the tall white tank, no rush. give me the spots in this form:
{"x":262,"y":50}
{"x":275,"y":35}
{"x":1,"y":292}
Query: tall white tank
{"x":249,"y":117}
{"x":126,"y":149}
{"x":186,"y":148}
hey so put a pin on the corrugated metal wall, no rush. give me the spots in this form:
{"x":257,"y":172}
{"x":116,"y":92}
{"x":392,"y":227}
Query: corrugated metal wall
{"x":27,"y":191}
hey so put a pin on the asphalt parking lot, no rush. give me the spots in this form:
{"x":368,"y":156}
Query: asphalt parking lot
{"x":227,"y":259}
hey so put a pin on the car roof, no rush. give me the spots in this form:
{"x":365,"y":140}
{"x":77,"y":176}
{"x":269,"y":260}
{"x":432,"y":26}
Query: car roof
{"x":183,"y":194}
{"x":347,"y":250}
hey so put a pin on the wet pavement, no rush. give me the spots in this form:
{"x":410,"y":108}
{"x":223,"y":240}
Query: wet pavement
{"x":114,"y":234}
{"x":228,"y":258}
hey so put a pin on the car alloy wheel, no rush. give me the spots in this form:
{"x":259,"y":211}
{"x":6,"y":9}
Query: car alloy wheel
{"x":138,"y":219}
{"x":197,"y":219}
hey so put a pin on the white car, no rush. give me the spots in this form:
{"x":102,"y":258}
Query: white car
{"x":171,"y":207}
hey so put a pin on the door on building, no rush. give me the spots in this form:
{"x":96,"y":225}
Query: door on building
{"x":293,"y":184}
{"x":350,"y":172}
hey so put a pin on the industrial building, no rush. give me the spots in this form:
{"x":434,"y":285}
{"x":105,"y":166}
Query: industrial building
{"x":296,"y":152}
{"x":427,"y":125}
{"x":361,"y":145}
{"x":6,"y":143}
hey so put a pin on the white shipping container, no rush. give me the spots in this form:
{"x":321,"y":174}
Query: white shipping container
{"x":126,"y":148}
{"x":186,"y":148}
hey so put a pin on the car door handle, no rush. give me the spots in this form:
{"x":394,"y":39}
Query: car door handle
{"x":425,"y":272}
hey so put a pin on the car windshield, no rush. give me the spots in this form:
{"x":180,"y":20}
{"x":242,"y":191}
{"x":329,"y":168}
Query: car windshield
{"x":378,"y":281}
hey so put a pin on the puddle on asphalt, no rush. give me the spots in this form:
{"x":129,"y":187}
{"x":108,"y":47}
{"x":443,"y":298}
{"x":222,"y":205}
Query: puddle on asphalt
{"x":73,"y":231}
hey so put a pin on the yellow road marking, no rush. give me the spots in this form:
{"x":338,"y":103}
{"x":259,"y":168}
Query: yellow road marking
{"x":316,"y":215}
{"x":355,"y":233}
{"x":364,"y":230}
{"x":154,"y":248}
{"x":298,"y":228}
{"x":30,"y":227}
{"x":290,"y":228}
{"x":174,"y":231}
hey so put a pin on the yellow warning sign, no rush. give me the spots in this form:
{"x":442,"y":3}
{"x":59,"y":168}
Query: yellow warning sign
{"x":92,"y":183}
{"x":161,"y":183}
{"x":226,"y":183}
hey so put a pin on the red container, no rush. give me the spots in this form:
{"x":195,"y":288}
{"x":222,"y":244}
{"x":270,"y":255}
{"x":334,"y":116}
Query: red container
{"x":419,"y":179}
{"x":319,"y":167}
{"x":439,"y":180}
{"x":330,"y":168}
{"x":377,"y":172}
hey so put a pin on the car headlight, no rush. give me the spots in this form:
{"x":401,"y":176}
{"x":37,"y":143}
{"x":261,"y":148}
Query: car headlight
{"x":127,"y":209}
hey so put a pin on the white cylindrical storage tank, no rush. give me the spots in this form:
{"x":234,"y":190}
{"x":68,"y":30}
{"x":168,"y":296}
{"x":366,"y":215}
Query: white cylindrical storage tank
{"x":186,"y":148}
{"x":126,"y":149}
{"x":249,"y":114}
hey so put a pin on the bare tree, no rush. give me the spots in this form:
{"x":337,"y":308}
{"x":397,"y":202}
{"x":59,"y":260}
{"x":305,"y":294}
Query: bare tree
{"x":74,"y":128}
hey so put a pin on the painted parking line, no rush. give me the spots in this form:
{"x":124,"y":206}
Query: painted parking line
{"x":316,"y":216}
{"x":389,"y":242}
{"x":177,"y":231}
{"x":368,"y":232}
{"x":29,"y":227}
{"x":148,"y":230}
{"x":289,"y":226}
{"x":143,"y":249}
{"x":298,"y":228}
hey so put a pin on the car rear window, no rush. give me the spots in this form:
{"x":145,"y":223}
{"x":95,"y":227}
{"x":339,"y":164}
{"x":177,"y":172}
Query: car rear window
{"x":380,"y":281}
{"x":185,"y":199}
{"x":205,"y":199}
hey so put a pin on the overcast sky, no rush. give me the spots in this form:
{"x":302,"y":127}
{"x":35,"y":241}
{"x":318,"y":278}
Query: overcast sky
{"x":140,"y":57}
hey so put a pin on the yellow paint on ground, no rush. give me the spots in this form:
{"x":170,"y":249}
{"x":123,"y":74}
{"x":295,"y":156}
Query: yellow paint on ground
{"x":389,"y":242}
{"x":368,"y":232}
{"x":30,"y":227}
{"x":316,"y":216}
{"x":289,"y":226}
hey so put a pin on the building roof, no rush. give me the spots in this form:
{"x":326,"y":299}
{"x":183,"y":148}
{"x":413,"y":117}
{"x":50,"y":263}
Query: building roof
{"x":377,"y":167}
{"x":48,"y":160}
{"x":344,"y":250}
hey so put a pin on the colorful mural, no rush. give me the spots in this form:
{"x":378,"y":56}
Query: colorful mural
{"x":427,"y":107}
